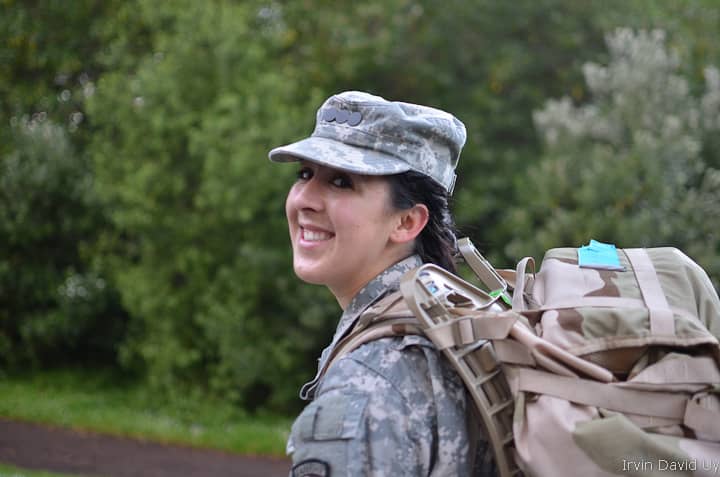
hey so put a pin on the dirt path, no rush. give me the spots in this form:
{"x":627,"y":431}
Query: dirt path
{"x":34,"y":446}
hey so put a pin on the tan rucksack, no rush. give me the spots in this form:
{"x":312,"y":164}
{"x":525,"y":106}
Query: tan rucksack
{"x":574,"y":370}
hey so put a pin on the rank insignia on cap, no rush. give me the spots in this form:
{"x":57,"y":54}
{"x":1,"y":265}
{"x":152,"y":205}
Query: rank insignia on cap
{"x":329,"y":114}
{"x":341,"y":116}
{"x":311,"y":468}
{"x":354,"y":119}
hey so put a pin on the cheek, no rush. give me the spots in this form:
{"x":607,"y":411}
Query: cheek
{"x":289,"y":204}
{"x":368,"y":223}
{"x":348,"y":217}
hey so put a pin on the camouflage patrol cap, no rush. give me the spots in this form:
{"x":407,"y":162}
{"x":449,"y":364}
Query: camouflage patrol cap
{"x":365,"y":134}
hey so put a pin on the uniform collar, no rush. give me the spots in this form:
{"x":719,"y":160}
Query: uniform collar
{"x":386,"y":282}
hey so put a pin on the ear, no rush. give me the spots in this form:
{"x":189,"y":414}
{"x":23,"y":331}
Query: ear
{"x":410,"y":223}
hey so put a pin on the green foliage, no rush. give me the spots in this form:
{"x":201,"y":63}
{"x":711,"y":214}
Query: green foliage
{"x":201,"y":250}
{"x":491,"y":63}
{"x":151,"y":185}
{"x":48,"y":59}
{"x":628,"y":166}
{"x":55,"y":304}
{"x":54,"y":308}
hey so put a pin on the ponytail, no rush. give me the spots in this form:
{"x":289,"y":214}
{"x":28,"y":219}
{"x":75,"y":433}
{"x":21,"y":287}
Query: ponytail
{"x":437,"y":242}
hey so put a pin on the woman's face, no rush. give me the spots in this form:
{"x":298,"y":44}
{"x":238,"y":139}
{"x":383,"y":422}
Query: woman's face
{"x":340,"y":226}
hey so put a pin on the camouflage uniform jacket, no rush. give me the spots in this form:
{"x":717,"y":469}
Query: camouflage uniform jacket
{"x":392,"y":407}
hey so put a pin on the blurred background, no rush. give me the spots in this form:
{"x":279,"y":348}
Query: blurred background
{"x":142,"y":229}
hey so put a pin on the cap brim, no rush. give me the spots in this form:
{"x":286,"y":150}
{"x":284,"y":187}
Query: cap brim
{"x":339,"y":155}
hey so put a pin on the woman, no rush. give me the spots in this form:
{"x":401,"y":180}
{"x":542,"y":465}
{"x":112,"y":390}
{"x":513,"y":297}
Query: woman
{"x":371,"y":203}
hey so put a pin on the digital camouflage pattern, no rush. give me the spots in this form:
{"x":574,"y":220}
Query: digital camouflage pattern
{"x":366,"y":134}
{"x":557,"y":433}
{"x":392,"y":407}
{"x":380,"y":286}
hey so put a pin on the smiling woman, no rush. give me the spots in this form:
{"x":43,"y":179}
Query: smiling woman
{"x":341,"y":230}
{"x":370,"y":203}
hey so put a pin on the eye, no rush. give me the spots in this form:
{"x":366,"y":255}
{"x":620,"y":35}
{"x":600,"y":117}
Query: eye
{"x":342,"y":181}
{"x":304,"y":174}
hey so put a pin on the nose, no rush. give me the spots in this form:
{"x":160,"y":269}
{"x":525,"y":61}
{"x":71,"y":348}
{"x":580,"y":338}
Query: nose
{"x":306,"y":195}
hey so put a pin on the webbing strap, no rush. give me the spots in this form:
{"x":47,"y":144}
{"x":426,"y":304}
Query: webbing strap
{"x":661,"y":316}
{"x":705,"y":422}
{"x":592,"y":393}
{"x":518,"y":300}
{"x":470,"y":328}
{"x":594,"y":302}
{"x":663,"y":406}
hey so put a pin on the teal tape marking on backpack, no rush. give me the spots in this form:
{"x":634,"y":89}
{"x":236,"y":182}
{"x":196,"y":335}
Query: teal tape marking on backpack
{"x":599,"y":255}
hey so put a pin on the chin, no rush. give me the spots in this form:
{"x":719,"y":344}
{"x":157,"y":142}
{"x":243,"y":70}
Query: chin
{"x":309,"y":275}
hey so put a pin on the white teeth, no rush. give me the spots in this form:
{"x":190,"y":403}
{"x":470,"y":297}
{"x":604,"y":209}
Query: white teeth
{"x":312,"y":236}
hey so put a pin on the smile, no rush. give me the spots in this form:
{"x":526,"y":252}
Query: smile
{"x":315,"y":235}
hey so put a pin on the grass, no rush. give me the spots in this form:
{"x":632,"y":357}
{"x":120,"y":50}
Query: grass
{"x":102,"y":403}
{"x":10,"y":471}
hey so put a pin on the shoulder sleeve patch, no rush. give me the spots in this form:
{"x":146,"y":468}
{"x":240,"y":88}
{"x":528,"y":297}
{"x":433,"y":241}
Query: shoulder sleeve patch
{"x":311,"y":468}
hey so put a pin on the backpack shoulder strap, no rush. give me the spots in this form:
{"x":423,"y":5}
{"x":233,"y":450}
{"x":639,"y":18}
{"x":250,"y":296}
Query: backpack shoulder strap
{"x":388,"y":317}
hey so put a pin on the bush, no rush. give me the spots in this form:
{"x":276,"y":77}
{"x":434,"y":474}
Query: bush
{"x":632,"y":164}
{"x":200,"y":249}
{"x":55,"y":307}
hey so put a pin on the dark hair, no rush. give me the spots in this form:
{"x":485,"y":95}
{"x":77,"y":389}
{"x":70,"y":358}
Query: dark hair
{"x":437,"y":242}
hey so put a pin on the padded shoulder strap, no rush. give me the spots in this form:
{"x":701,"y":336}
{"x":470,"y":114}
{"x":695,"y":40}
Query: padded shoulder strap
{"x":388,"y":317}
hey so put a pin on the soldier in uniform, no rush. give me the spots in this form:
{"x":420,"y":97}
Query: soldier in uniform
{"x":370,"y":203}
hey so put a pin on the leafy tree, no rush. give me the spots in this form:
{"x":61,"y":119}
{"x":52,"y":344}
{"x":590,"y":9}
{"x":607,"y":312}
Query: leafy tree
{"x":56,"y":308}
{"x":162,"y":115}
{"x":50,"y":56}
{"x":200,"y":250}
{"x":628,"y":166}
{"x":56,"y":305}
{"x":490,"y":63}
